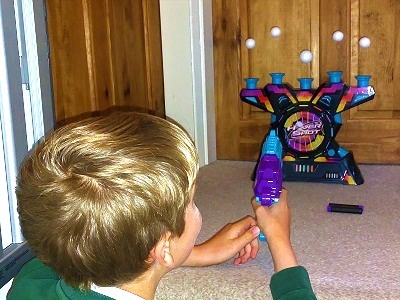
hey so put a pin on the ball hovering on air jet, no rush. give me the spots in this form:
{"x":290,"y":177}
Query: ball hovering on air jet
{"x":250,"y":43}
{"x":364,"y":42}
{"x":337,"y":36}
{"x":275,"y":31}
{"x":306,"y":56}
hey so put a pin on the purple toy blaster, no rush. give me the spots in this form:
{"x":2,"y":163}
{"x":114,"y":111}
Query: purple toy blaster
{"x":268,"y":177}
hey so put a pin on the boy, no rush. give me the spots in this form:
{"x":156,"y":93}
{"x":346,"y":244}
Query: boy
{"x":107,"y":206}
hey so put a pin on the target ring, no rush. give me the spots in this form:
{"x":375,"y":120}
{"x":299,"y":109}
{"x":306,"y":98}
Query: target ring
{"x":305,"y":131}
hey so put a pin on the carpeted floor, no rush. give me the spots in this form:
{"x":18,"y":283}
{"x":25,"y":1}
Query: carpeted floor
{"x":348,"y":256}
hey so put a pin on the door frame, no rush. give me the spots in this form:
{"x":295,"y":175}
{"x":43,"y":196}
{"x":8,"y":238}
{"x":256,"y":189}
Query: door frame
{"x":187,"y":51}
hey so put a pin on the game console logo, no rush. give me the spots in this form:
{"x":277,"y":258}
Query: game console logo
{"x":299,"y":129}
{"x":304,"y":131}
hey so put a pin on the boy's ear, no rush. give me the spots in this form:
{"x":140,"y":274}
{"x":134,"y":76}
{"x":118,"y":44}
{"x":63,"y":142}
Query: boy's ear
{"x":161,"y":252}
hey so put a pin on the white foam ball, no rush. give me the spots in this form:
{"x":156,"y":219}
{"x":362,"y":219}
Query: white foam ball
{"x":275,"y":31}
{"x":364,"y":42}
{"x":306,"y":56}
{"x":337,"y":36}
{"x":250,"y":43}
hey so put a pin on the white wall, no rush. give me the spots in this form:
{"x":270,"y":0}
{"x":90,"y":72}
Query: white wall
{"x":186,"y":33}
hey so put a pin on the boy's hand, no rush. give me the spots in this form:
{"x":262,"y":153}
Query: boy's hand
{"x":238,"y":238}
{"x":274,"y":222}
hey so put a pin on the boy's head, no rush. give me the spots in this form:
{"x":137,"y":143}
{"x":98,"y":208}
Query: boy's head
{"x":97,"y":195}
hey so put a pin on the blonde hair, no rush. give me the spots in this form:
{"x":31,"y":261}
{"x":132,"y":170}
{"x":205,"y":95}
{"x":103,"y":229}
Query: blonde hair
{"x":97,"y":195}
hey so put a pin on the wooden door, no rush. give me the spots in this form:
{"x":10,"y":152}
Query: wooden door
{"x":105,"y":54}
{"x":371,"y":130}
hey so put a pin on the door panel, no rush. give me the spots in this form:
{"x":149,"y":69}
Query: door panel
{"x":105,"y":54}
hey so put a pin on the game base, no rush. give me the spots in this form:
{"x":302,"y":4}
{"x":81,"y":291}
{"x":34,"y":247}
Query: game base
{"x":342,"y":170}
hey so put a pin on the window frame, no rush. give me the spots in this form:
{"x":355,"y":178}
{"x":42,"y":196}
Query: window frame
{"x":37,"y":77}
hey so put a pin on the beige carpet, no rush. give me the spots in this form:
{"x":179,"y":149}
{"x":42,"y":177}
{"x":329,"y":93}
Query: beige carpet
{"x":348,"y":256}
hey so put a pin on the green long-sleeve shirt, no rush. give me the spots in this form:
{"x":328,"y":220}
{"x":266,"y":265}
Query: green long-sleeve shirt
{"x":290,"y":284}
{"x":36,"y":281}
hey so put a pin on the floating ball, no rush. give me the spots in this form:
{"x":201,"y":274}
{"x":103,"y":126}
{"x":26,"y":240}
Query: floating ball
{"x":337,"y":36}
{"x":275,"y":31}
{"x":364,"y":42}
{"x":306,"y":56}
{"x":250,"y":43}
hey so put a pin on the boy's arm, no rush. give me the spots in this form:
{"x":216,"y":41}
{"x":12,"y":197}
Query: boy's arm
{"x":238,"y":238}
{"x":290,"y":281}
{"x":274,"y":222}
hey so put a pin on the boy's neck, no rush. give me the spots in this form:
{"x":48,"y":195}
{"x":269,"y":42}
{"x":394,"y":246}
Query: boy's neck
{"x":145,"y":291}
{"x":145,"y":286}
